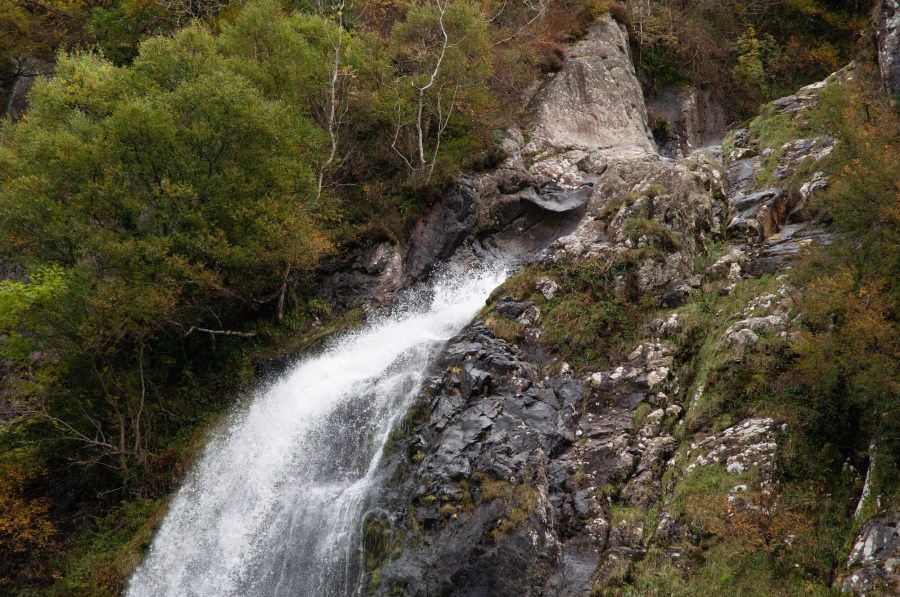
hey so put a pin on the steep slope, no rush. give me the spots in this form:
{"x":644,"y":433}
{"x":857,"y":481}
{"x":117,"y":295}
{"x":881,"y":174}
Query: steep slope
{"x":597,"y":430}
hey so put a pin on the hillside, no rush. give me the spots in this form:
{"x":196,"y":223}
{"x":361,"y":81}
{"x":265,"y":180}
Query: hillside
{"x":687,"y":383}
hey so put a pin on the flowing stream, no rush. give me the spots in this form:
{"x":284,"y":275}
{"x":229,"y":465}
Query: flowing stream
{"x":275,"y":504}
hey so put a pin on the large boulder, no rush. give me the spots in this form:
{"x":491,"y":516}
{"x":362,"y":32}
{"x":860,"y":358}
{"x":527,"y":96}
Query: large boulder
{"x":595,"y":102}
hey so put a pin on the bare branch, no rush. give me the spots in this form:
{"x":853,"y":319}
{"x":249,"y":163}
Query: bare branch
{"x":194,"y":328}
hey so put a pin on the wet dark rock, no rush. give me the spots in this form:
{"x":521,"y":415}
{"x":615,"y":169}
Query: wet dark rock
{"x":442,"y":231}
{"x":14,"y":90}
{"x":678,"y":292}
{"x":741,"y":175}
{"x":781,"y":248}
{"x":511,"y":308}
{"x":548,"y":442}
{"x":644,"y":488}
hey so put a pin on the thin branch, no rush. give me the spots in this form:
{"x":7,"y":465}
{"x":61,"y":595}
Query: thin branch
{"x":194,"y":328}
{"x":542,"y":9}
{"x":442,"y":122}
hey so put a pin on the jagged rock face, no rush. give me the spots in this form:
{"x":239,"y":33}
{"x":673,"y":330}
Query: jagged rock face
{"x":590,"y":146}
{"x":505,"y":479}
{"x":595,"y":102}
{"x":493,"y":494}
{"x":776,"y":224}
{"x":684,"y":119}
{"x":874,"y":560}
{"x":684,"y":197}
{"x":749,"y":444}
{"x":887,"y":33}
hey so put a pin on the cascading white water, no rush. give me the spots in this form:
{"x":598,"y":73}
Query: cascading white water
{"x":275,"y":503}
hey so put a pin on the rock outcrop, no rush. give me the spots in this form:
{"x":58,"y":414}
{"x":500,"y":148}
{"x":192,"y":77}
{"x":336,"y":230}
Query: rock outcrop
{"x":684,"y":119}
{"x":887,"y":34}
{"x":595,"y":102}
{"x":874,"y":560}
{"x":515,"y":473}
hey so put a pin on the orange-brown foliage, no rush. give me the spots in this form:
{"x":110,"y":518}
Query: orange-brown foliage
{"x":25,"y":527}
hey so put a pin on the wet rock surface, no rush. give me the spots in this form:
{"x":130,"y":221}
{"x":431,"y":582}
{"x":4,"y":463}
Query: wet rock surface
{"x":548,"y":442}
{"x":14,"y":90}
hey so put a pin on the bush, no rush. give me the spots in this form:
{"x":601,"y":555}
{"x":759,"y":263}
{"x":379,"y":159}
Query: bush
{"x":25,"y":527}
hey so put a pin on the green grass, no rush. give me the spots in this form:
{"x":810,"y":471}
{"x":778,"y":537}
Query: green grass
{"x":707,"y":362}
{"x":656,"y":234}
{"x":586,"y":324}
{"x":521,"y":500}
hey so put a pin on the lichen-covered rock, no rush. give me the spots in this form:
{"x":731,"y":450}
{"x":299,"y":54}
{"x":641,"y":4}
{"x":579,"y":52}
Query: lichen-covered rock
{"x":746,"y":332}
{"x":547,"y":287}
{"x":749,"y":444}
{"x":874,"y":560}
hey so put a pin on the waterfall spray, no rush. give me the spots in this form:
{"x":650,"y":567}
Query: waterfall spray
{"x":275,"y":504}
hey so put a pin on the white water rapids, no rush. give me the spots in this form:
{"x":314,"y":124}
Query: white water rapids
{"x":275,"y":504}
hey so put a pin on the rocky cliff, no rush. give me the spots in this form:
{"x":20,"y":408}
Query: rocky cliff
{"x":581,"y":437}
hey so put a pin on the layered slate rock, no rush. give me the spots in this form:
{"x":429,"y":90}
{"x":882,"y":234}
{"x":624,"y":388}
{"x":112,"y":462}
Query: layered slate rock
{"x":494,"y":490}
{"x":769,"y":190}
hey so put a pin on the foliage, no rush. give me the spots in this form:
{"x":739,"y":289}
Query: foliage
{"x":747,"y":52}
{"x":586,"y":324}
{"x":833,"y":381}
{"x":441,"y":50}
{"x":25,"y":526}
{"x":847,"y":352}
{"x":170,"y":196}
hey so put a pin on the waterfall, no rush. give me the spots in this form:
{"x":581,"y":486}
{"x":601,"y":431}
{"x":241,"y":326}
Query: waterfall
{"x":275,"y":504}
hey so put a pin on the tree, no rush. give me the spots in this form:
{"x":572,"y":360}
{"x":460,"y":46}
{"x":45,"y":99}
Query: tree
{"x":171,"y":196}
{"x":442,"y":50}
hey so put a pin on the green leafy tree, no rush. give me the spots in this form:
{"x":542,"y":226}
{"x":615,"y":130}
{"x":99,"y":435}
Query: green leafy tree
{"x":174,"y":197}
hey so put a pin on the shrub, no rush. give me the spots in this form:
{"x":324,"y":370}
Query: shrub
{"x":25,"y":527}
{"x":657,"y":235}
{"x":619,"y":11}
